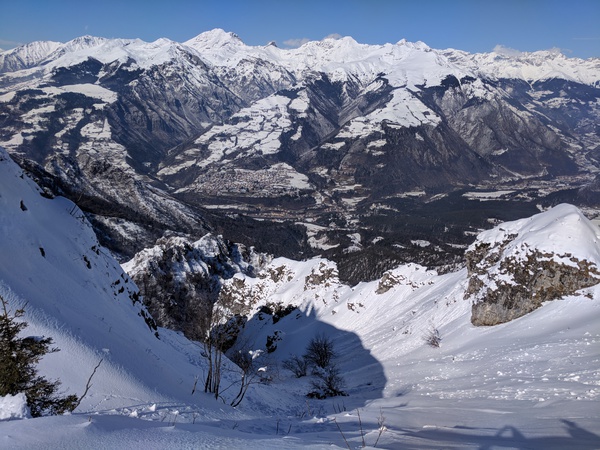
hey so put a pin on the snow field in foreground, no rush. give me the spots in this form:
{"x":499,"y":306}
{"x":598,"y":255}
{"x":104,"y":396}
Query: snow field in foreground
{"x":530,"y":383}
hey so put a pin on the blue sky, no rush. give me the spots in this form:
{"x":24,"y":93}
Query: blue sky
{"x":472,"y":25}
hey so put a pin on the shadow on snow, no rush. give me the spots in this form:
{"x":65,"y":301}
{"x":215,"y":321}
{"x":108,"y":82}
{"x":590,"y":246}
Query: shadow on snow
{"x":363,"y":375}
{"x":506,"y":437}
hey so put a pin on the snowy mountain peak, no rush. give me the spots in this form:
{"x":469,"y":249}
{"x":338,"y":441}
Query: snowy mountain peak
{"x":214,"y":39}
{"x":529,"y":66}
{"x":144,"y":54}
{"x":78,"y":45}
{"x":27,"y":55}
{"x":508,"y":53}
{"x":222,"y":48}
{"x":36,"y":48}
{"x":331,"y":44}
{"x":161,"y":42}
{"x":418,"y":45}
{"x":82,"y":42}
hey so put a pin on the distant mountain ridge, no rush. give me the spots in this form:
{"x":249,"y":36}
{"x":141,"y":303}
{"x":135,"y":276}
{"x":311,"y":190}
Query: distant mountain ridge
{"x":335,"y":136}
{"x":220,"y":48}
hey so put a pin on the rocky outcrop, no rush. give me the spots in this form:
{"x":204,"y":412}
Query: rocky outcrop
{"x":517,"y":266}
{"x":180,"y":280}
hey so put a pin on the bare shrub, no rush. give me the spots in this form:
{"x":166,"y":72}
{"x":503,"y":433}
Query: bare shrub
{"x":297,"y":365}
{"x":320,"y":351}
{"x":327,"y":383}
{"x":433,"y":338}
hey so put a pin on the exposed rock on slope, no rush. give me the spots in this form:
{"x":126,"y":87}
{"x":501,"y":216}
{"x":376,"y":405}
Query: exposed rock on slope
{"x":180,"y":279}
{"x":517,"y":266}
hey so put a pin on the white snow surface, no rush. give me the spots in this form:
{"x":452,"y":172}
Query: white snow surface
{"x":563,"y":231}
{"x":530,"y":383}
{"x":528,"y":66}
{"x":90,"y":90}
{"x":14,"y":407}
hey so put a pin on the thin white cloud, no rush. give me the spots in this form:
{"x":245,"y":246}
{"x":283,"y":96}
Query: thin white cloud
{"x":557,"y":50}
{"x":9,"y":44}
{"x":506,"y":51}
{"x":295,"y":43}
{"x":514,"y":53}
{"x":333,"y":36}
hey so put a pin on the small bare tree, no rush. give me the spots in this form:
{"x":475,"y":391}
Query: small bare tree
{"x":320,"y":351}
{"x":219,"y":328}
{"x":250,"y":373}
{"x":213,"y":344}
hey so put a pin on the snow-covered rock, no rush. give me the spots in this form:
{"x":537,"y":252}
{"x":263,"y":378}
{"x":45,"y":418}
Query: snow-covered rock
{"x":180,"y":279}
{"x":14,"y":407}
{"x":517,"y":266}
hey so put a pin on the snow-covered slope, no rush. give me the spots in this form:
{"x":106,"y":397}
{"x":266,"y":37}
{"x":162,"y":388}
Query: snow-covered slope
{"x":532,"y":382}
{"x":51,"y":55}
{"x":528,"y":66}
{"x":393,"y":316}
{"x":26,"y":56}
{"x":75,"y":292}
{"x":408,"y":63}
{"x":529,"y":383}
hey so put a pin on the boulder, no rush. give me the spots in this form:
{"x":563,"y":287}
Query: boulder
{"x":515,"y":267}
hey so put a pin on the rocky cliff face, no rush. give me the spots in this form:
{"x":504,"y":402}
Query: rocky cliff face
{"x":517,"y":266}
{"x":180,"y":280}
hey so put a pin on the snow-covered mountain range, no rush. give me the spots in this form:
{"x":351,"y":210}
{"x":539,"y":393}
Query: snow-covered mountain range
{"x":529,"y":383}
{"x":336,"y":137}
{"x":344,"y":55}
